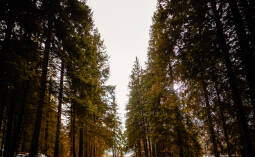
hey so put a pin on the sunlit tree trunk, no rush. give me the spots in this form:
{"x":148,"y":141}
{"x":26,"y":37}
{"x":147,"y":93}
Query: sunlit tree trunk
{"x":60,"y":99}
{"x":149,"y":143}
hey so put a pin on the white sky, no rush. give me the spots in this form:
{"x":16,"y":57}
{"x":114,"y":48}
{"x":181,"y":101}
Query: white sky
{"x":124,"y":26}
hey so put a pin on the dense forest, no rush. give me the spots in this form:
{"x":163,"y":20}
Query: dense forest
{"x":196,"y":94}
{"x":53,"y":96}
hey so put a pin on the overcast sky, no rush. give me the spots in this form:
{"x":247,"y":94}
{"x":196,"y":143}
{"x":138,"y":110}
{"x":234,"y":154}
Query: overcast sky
{"x":124,"y":26}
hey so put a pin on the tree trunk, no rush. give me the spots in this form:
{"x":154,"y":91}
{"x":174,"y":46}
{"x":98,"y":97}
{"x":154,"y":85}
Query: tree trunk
{"x":60,"y":99}
{"x":46,"y":147}
{"x":2,"y":105}
{"x":3,"y":136}
{"x":86,"y":144}
{"x":23,"y":142}
{"x":179,"y":132}
{"x":94,"y":150}
{"x":81,"y":143}
{"x":18,"y":127}
{"x":210,"y":121}
{"x":73,"y":131}
{"x":139,"y":149}
{"x":223,"y":121}
{"x":43,"y":82}
{"x":45,"y":150}
{"x":153,"y":150}
{"x":145,"y":147}
{"x":149,"y":143}
{"x":90,"y":145}
{"x":244,"y":131}
{"x":158,"y":150}
{"x":9,"y":129}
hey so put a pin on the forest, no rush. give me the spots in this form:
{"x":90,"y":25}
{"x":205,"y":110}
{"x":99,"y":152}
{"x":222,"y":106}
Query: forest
{"x":195,"y":96}
{"x":53,"y":96}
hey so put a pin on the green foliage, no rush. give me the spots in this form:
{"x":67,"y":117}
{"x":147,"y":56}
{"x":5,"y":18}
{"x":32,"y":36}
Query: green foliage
{"x":35,"y":37}
{"x":198,"y":47}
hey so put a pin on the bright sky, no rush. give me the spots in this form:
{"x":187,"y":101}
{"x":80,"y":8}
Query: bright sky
{"x":124,"y":26}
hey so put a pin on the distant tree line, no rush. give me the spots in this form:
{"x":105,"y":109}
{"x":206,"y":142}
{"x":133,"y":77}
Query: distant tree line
{"x":53,"y":68}
{"x":196,"y":94}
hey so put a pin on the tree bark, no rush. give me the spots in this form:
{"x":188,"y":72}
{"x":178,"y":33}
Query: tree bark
{"x":179,"y":132}
{"x":60,"y":99}
{"x":139,"y":149}
{"x":210,"y":121}
{"x":46,"y":147}
{"x":2,"y":105}
{"x":81,"y":143}
{"x":18,"y":127}
{"x":223,"y":121}
{"x":3,"y":137}
{"x":73,"y":131}
{"x":9,"y":129}
{"x":35,"y":139}
{"x":149,"y":143}
{"x":86,"y":143}
{"x":145,"y":147}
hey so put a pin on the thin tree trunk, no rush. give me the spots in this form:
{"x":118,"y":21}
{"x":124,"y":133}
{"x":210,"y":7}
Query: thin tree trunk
{"x":45,"y":150}
{"x":35,"y":139}
{"x":145,"y":147}
{"x":139,"y":149}
{"x":60,"y":99}
{"x":210,"y":121}
{"x":149,"y":143}
{"x":3,"y":137}
{"x":86,"y":143}
{"x":23,"y":142}
{"x":223,"y":120}
{"x":73,"y":131}
{"x":153,"y":149}
{"x":158,"y":150}
{"x":179,"y":132}
{"x":46,"y":147}
{"x":94,"y":150}
{"x":90,"y":145}
{"x":2,"y":105}
{"x":81,"y":143}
